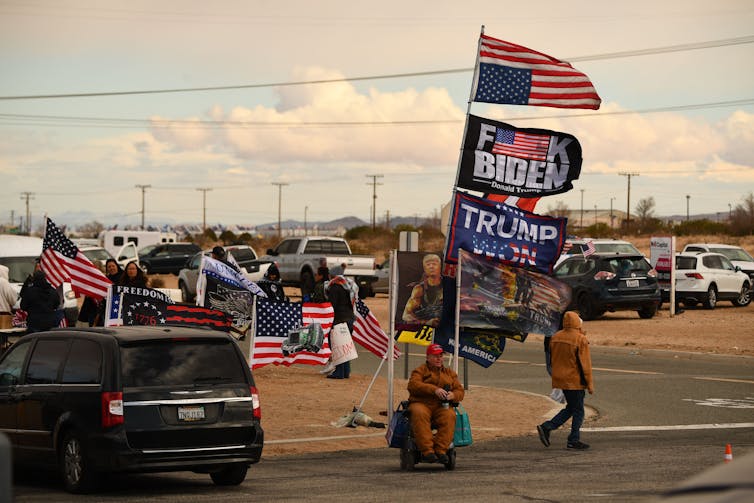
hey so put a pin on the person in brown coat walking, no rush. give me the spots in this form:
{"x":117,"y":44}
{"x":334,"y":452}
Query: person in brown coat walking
{"x":431,"y":387}
{"x":571,"y":372}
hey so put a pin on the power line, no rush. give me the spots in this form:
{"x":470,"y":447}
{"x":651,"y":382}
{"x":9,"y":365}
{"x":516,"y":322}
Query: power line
{"x":595,"y":57}
{"x":5,"y":119}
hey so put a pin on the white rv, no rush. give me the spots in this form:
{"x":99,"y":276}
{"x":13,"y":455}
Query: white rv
{"x":114,"y":240}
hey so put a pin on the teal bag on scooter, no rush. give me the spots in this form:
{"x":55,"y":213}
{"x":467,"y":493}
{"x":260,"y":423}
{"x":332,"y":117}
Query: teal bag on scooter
{"x":462,"y":434}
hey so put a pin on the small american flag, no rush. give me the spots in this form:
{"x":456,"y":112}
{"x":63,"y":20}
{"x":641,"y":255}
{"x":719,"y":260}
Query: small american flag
{"x":513,"y":74}
{"x":368,"y":333}
{"x":589,"y":248}
{"x":273,"y":321}
{"x":519,"y":144}
{"x":63,"y":262}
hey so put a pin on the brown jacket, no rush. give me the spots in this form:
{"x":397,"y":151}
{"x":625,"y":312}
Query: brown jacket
{"x":569,"y":350}
{"x":424,"y":381}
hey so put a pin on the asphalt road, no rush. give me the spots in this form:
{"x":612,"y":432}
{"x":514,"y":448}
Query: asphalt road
{"x":660,"y":417}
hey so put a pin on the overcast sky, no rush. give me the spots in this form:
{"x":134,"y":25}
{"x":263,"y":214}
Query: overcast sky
{"x":82,"y":157}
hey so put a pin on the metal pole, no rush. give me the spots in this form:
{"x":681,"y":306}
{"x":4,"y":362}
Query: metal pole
{"x":581,"y":223}
{"x":628,"y":197}
{"x":306,"y":208}
{"x":687,"y":206}
{"x":143,"y":191}
{"x":374,"y":185}
{"x":280,"y":198}
{"x":27,"y":196}
{"x":204,"y":207}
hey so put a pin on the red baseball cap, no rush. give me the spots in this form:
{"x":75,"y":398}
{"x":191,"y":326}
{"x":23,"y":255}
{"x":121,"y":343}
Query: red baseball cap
{"x":434,"y":349}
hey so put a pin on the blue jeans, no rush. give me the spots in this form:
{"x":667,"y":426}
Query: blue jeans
{"x":574,"y":409}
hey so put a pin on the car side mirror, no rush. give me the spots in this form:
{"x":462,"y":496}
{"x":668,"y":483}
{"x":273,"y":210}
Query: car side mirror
{"x":270,"y":251}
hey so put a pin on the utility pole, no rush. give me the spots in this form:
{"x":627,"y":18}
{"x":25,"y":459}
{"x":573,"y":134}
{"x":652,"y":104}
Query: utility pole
{"x":27,"y":196}
{"x":280,"y":199}
{"x":581,"y":223}
{"x":687,"y":206}
{"x":204,"y":207}
{"x":611,"y":212}
{"x":143,"y":190}
{"x":595,"y":214}
{"x":730,"y":212}
{"x":374,"y":185}
{"x":306,"y":209}
{"x":628,"y":197}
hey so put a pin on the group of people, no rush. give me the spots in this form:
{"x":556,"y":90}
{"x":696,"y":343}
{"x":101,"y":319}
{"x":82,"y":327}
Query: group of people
{"x":432,"y":385}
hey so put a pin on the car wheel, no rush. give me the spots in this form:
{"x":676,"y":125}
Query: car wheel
{"x":744,"y":298}
{"x":230,"y":475}
{"x":78,"y":476}
{"x":585,"y":306}
{"x":307,"y":283}
{"x":647,"y":312}
{"x":187,"y":297}
{"x":711,"y":301}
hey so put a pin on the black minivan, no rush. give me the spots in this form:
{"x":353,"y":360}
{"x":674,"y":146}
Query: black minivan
{"x":131,"y":399}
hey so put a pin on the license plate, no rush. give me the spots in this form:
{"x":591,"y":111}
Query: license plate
{"x":632,"y":283}
{"x":191,"y":413}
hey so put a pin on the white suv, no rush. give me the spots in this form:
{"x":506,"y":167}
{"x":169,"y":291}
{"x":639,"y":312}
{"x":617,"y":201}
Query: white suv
{"x":735,"y":254}
{"x":709,"y":277}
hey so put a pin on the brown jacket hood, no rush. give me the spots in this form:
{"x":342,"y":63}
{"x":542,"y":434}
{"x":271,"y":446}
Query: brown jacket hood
{"x":571,"y":319}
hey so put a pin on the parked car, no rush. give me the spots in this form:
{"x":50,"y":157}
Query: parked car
{"x":737,"y":255}
{"x":382,"y":271}
{"x":579,"y":246}
{"x":709,"y":278}
{"x":610,"y":282}
{"x":92,"y":401}
{"x":166,"y":258}
{"x":254,"y":269}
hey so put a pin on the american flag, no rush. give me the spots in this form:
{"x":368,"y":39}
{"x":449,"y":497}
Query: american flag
{"x":589,"y":248}
{"x":273,"y":321}
{"x":520,"y":144}
{"x":368,"y":333}
{"x":63,"y":262}
{"x":513,"y":74}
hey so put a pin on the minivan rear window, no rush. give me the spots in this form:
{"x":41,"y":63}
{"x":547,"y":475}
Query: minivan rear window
{"x":180,"y":363}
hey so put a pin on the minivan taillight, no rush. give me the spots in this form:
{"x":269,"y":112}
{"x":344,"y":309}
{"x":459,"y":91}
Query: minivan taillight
{"x":694,"y":275}
{"x":112,"y":408}
{"x":256,"y":409}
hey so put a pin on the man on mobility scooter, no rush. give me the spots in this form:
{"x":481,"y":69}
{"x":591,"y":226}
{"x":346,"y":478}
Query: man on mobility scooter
{"x":431,"y":389}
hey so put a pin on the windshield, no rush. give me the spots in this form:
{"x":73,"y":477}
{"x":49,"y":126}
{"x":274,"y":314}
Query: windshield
{"x":19,"y":268}
{"x":626,"y":265}
{"x":180,"y":363}
{"x":733,"y":254}
{"x":615,"y":248}
{"x":146,"y":250}
{"x":96,"y":254}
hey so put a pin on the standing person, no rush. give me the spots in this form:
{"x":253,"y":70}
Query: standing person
{"x":425,"y":303}
{"x":322,"y":275}
{"x":219,"y":253}
{"x":430,"y":388}
{"x":8,"y":298}
{"x":113,"y":271}
{"x":339,"y":270}
{"x":572,"y":372}
{"x":342,"y":295}
{"x":271,"y":284}
{"x":40,"y":301}
{"x":133,"y":276}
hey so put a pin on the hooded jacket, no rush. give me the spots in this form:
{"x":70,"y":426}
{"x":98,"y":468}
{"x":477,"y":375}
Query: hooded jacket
{"x":40,"y":300}
{"x":569,"y":353}
{"x":8,"y":295}
{"x":425,"y":380}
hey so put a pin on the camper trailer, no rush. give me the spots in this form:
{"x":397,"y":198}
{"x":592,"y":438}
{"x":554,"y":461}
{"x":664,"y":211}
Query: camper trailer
{"x":113,"y":240}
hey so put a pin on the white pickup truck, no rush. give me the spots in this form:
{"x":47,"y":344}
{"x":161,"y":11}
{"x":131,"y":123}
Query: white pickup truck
{"x":298,"y":258}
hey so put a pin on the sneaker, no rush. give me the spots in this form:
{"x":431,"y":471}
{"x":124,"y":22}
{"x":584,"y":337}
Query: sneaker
{"x":443,"y":458}
{"x":544,"y":435}
{"x":581,"y":446}
{"x":328,"y":368}
{"x":429,"y":458}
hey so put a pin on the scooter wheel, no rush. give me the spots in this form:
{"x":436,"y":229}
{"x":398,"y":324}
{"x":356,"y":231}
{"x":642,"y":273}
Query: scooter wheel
{"x":407,"y":459}
{"x":451,"y":464}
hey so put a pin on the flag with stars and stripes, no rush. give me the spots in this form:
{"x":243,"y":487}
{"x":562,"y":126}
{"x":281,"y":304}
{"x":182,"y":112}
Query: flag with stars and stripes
{"x":368,"y":333}
{"x":62,"y":262}
{"x":508,"y":73}
{"x":504,"y":233}
{"x":147,"y":306}
{"x":272,"y":322}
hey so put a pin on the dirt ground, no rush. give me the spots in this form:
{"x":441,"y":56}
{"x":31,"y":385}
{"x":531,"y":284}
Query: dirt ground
{"x":300,"y":406}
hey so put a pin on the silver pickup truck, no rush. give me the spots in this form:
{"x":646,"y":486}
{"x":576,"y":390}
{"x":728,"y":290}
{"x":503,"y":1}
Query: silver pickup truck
{"x":299,"y":257}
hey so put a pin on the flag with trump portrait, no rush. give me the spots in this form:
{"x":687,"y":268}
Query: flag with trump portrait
{"x":508,"y":73}
{"x":62,"y":262}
